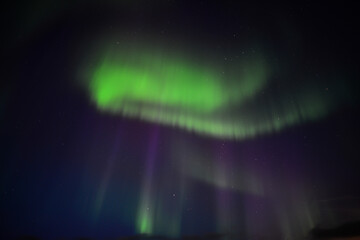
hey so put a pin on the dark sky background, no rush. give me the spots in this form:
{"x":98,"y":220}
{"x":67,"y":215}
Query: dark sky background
{"x":60,"y":155}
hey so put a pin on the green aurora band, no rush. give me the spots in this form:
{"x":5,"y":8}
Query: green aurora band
{"x":203,"y":96}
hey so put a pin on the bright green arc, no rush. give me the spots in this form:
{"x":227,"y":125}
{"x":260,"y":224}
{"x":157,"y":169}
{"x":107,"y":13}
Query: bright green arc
{"x":173,"y":84}
{"x":171,"y":89}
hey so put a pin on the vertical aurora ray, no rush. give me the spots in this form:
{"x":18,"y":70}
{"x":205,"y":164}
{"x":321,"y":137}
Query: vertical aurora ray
{"x":146,"y":209}
{"x":228,"y":220}
{"x":224,"y":206}
{"x":100,"y":196}
{"x":161,"y":202}
{"x":224,"y":221}
{"x":169,"y":210}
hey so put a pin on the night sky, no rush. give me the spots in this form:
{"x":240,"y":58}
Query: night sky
{"x":178,"y":118}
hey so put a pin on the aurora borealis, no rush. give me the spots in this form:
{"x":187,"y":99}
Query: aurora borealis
{"x":157,"y":88}
{"x":179,"y":120}
{"x":213,"y":100}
